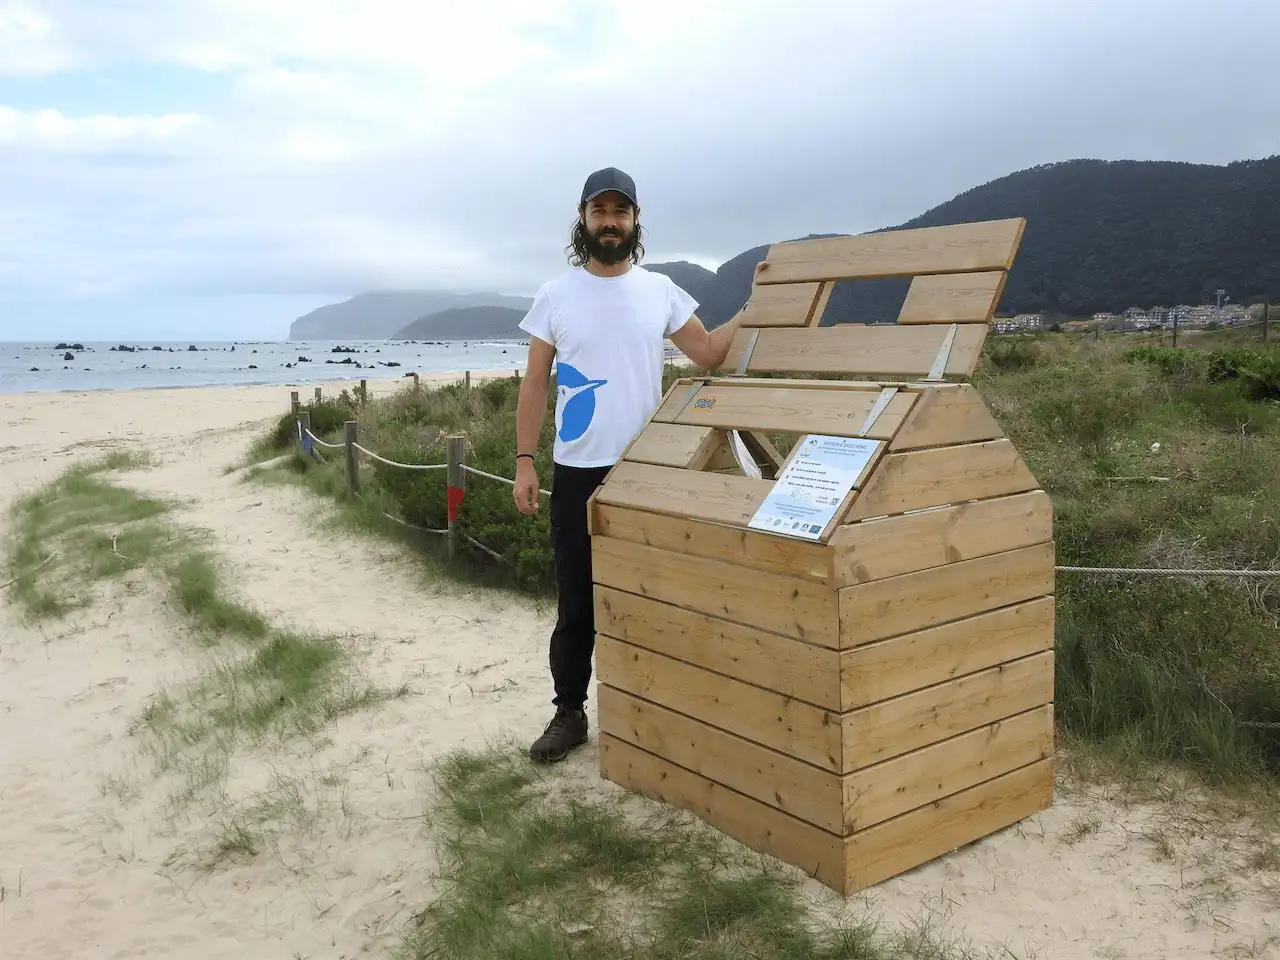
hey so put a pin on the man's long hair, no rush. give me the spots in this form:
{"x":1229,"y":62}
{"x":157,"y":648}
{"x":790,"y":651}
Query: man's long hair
{"x":581,"y":244}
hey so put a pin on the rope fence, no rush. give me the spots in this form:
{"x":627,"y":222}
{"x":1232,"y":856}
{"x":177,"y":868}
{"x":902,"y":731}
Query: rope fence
{"x":456,"y":467}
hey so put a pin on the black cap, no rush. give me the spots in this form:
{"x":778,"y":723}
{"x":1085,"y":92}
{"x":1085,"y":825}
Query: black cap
{"x":610,"y":178}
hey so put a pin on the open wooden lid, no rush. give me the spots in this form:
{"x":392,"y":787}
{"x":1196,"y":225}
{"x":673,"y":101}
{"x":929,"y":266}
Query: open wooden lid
{"x":959,"y":273}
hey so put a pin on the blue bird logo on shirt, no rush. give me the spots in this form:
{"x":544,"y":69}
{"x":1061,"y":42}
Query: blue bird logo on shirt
{"x":579,"y":406}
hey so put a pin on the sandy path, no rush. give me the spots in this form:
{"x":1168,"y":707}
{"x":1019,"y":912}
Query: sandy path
{"x":99,"y":857}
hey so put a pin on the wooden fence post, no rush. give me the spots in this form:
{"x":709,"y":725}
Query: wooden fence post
{"x":416,"y":382}
{"x":364,"y":391}
{"x":351,"y":436}
{"x":304,"y":420}
{"x":317,"y":394}
{"x":1266,"y":322}
{"x":468,"y":379}
{"x":294,"y":403}
{"x":455,"y":453}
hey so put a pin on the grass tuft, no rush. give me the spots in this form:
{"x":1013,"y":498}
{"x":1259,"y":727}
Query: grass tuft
{"x":531,"y":872}
{"x":199,"y":594}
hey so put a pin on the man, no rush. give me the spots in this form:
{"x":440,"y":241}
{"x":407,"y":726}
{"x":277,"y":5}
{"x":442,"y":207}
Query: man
{"x":603,"y":322}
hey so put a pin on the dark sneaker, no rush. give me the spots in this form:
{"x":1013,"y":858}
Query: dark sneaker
{"x":567,"y":729}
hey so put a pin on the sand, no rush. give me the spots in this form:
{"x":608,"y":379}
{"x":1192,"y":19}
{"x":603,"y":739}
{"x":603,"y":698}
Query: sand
{"x":103,"y":856}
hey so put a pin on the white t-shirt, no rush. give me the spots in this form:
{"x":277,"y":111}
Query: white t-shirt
{"x":608,"y":333}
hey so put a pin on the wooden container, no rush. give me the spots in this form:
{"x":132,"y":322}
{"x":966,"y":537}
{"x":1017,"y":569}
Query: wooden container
{"x":866,"y":699}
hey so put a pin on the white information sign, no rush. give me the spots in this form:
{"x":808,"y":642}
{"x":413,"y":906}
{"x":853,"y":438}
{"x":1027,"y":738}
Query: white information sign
{"x":809,"y":491}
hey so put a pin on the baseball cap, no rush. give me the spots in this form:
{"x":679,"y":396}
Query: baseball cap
{"x":610,"y":178}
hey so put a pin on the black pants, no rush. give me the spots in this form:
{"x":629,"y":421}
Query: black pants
{"x":574,"y":638}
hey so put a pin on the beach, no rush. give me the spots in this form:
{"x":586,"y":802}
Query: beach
{"x":105,"y":853}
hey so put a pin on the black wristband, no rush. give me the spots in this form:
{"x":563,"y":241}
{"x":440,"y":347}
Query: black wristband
{"x":519,"y":455}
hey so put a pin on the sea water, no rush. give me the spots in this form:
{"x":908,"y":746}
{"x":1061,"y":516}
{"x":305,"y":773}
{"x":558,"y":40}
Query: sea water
{"x":135,"y":365}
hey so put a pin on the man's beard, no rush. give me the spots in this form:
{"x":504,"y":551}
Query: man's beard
{"x":619,"y":248}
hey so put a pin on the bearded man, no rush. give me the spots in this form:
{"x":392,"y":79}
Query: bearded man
{"x":603,"y":323}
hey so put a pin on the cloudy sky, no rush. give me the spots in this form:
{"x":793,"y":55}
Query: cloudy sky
{"x":214,"y":168}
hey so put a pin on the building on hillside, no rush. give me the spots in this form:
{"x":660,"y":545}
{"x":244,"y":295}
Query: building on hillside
{"x":1022,"y":323}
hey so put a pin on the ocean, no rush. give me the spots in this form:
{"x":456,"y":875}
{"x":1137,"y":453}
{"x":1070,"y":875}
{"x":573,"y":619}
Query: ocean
{"x":56,"y":366}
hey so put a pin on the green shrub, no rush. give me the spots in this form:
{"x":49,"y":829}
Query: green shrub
{"x":1167,"y":360}
{"x":1012,"y":354}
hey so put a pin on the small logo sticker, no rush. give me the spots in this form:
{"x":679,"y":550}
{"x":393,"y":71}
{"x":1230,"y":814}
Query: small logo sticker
{"x":705,"y":403}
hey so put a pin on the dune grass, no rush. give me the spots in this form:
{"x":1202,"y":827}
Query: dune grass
{"x":82,"y":529}
{"x":531,"y":871}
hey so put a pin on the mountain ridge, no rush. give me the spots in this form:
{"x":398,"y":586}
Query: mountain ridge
{"x":1102,"y":235}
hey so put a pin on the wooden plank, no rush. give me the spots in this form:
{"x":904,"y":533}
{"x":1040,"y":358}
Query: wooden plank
{"x":717,"y":497}
{"x":894,"y":727}
{"x":890,"y":668}
{"x":881,"y":350}
{"x":889,"y":546}
{"x":987,"y":245}
{"x":935,"y":830}
{"x":845,"y":865}
{"x":755,"y":825}
{"x":830,"y":384}
{"x":883,"y":791}
{"x":673,"y":445}
{"x":781,"y":305}
{"x":797,"y":729}
{"x":913,"y":601}
{"x":953,"y":298}
{"x":947,"y":416}
{"x":747,"y":548}
{"x":786,"y":605}
{"x":835,"y":412}
{"x":820,"y":307}
{"x":791,"y":667}
{"x":943,"y":475}
{"x":681,"y":392}
{"x":773,"y":778}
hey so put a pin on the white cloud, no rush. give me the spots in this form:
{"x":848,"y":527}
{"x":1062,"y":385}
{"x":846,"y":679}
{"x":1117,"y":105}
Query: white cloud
{"x":401,"y":143}
{"x":30,"y":42}
{"x":51,"y":129}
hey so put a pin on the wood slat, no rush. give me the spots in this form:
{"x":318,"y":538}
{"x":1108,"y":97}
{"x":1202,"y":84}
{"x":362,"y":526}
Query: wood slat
{"x":890,"y":668}
{"x":943,"y":416}
{"x":801,"y":670}
{"x":773,"y":778}
{"x":717,"y":497}
{"x":799,"y":384}
{"x":894,"y":727}
{"x":846,"y":865}
{"x":781,"y":305}
{"x":758,"y":826}
{"x":834,"y":412}
{"x":924,"y":776}
{"x":987,"y":245}
{"x":883,"y":350}
{"x":680,"y":392}
{"x":914,"y":601}
{"x":673,"y":445}
{"x":953,"y":298}
{"x":748,"y":548}
{"x":874,"y":549}
{"x":796,"y":729}
{"x":786,"y":605}
{"x":942,"y":475}
{"x":936,"y":829}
